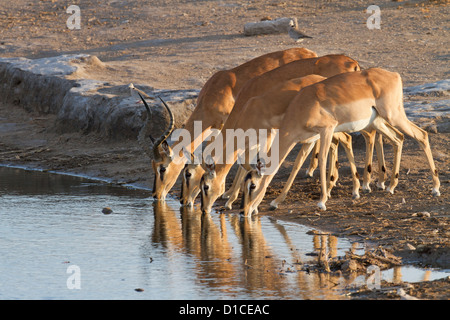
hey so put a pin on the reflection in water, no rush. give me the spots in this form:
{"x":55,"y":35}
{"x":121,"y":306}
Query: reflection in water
{"x":226,"y":265}
{"x":258,"y":256}
{"x":49,"y":220}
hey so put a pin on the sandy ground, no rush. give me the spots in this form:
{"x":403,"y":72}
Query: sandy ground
{"x":180,"y":44}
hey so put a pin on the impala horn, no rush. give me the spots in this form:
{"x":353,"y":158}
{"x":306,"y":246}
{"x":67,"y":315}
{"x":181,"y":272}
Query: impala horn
{"x":152,"y":149}
{"x":166,"y":134}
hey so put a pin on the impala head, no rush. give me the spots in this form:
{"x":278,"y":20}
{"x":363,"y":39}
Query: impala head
{"x":333,"y":64}
{"x":190,"y":180}
{"x":252,"y":183}
{"x":210,"y":187}
{"x":160,"y":153}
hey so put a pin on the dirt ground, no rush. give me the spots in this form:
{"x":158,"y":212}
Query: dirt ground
{"x":180,"y":44}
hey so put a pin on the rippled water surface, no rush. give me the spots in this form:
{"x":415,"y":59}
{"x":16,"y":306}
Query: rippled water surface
{"x":55,"y":243}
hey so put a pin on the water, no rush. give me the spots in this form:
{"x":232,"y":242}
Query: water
{"x":55,"y":243}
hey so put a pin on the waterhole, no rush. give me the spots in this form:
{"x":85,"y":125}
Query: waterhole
{"x":56,"y":242}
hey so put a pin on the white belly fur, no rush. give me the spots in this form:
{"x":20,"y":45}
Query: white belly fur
{"x":358,"y":125}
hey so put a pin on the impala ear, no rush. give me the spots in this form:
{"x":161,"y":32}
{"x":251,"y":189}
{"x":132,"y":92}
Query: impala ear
{"x":243,"y":164}
{"x":353,"y":65}
{"x":260,"y":166}
{"x":210,"y":165}
{"x":166,"y":149}
{"x":191,"y":157}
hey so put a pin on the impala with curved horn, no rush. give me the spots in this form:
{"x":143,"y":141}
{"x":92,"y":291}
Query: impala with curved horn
{"x":214,"y":104}
{"x":159,"y":146}
{"x":368,"y":99}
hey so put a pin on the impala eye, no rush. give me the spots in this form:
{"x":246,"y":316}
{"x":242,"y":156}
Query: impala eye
{"x":188,"y":174}
{"x":162,"y":170}
{"x":205,"y":187}
{"x":252,"y":186}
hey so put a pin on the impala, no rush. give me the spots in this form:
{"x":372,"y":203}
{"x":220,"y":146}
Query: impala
{"x":325,"y":66}
{"x":270,"y":108}
{"x":214,"y":104}
{"x":364,"y":100}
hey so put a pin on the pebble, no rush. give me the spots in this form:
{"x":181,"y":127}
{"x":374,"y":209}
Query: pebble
{"x":107,"y":210}
{"x":422,"y":214}
{"x":409,"y":246}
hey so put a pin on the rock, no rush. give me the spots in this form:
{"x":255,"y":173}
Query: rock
{"x":280,"y":25}
{"x":58,"y":85}
{"x":409,"y":246}
{"x":349,"y":266}
{"x":422,"y":214}
{"x":436,"y":89}
{"x":405,"y":296}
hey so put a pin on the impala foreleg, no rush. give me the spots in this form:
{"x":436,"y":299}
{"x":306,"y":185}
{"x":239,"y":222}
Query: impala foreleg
{"x":233,"y":193}
{"x":314,"y":160}
{"x":301,"y":157}
{"x":372,"y":139}
{"x":381,"y":163}
{"x":421,"y":136}
{"x":369,"y":137}
{"x":333,"y":164}
{"x":346,"y":141}
{"x":325,"y":141}
{"x":236,"y":184}
{"x":396,"y":138}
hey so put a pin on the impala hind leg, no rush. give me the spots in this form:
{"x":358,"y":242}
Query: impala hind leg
{"x":421,"y":136}
{"x":301,"y":157}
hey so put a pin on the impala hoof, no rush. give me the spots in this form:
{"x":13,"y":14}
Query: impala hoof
{"x":308,"y":175}
{"x":381,"y":186}
{"x":391,"y":191}
{"x":322,"y":206}
{"x":436,"y":193}
{"x":355,"y":196}
{"x":273,"y":205}
{"x":366,"y":189}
